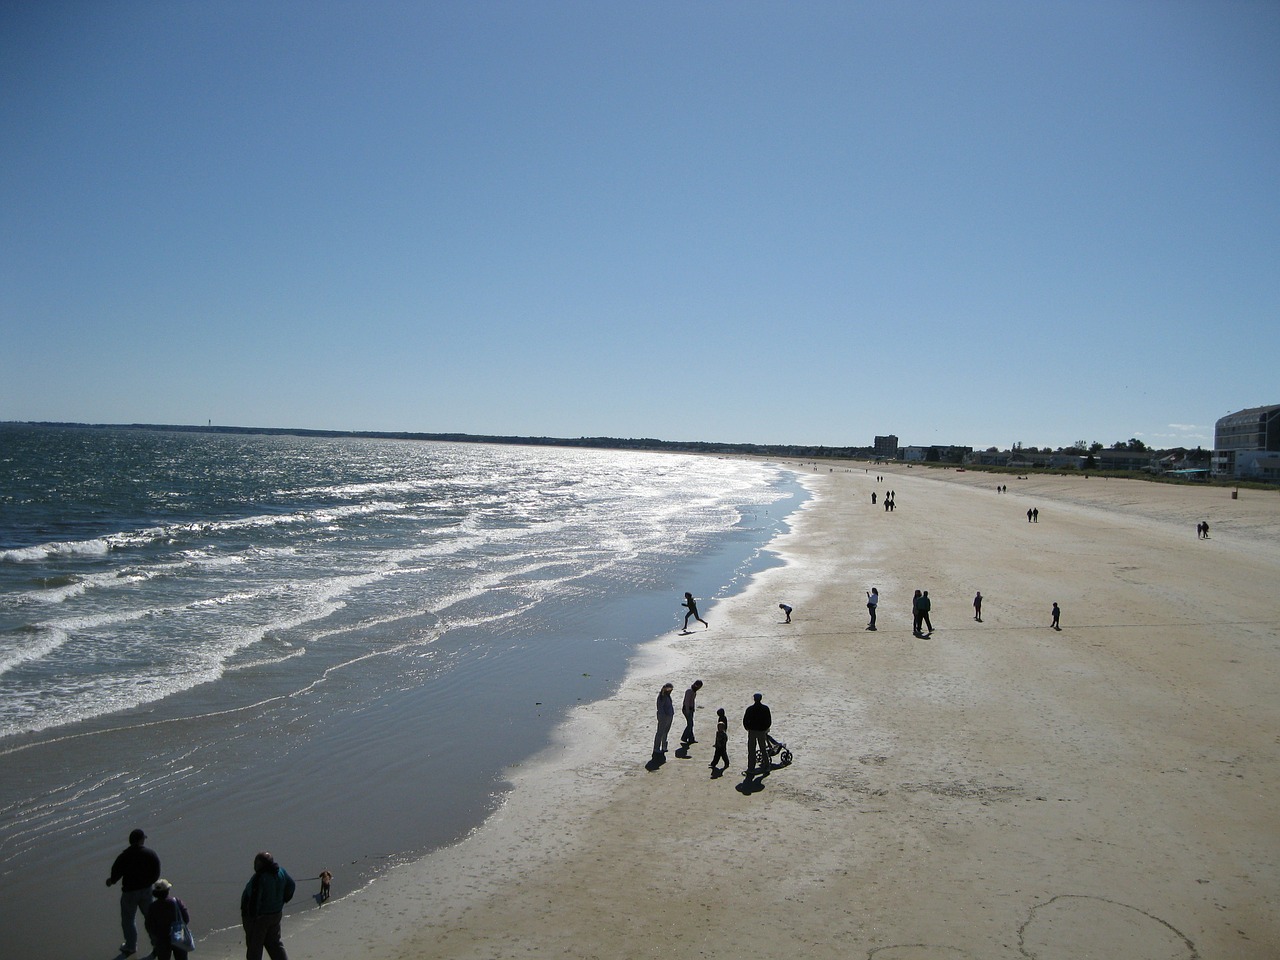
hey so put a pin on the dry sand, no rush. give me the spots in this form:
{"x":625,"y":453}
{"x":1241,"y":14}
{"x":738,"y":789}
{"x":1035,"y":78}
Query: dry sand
{"x":998,"y":790}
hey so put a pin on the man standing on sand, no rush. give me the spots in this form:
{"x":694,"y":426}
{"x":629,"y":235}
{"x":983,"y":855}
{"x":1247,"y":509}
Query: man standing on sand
{"x":977,"y":607}
{"x":666,"y":713}
{"x":756,"y":721}
{"x":136,"y":868}
{"x":873,"y":600}
{"x":687,"y":708}
{"x":262,"y":906}
{"x":1056,"y":614}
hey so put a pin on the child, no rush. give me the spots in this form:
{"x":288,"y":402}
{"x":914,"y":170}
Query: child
{"x":692,"y":606}
{"x":326,"y":878}
{"x":722,"y":739}
{"x":785,"y":609}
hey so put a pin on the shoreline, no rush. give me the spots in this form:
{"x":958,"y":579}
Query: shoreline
{"x":998,"y":790}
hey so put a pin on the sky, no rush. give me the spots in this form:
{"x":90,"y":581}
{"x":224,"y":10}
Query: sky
{"x":977,"y":223}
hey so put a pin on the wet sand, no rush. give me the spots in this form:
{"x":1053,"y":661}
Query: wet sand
{"x":999,"y":789}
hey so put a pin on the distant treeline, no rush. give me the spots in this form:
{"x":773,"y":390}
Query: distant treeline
{"x":604,"y":443}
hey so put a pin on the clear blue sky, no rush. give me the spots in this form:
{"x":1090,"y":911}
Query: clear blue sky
{"x":976,"y":222}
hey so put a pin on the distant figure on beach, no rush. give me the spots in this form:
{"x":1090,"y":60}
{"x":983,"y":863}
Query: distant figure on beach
{"x":873,"y":601}
{"x":756,"y":721}
{"x":164,"y":912}
{"x":915,"y":613}
{"x":326,"y":880}
{"x":1056,"y":614}
{"x":687,"y":708}
{"x":785,"y":609}
{"x":925,"y":606}
{"x":1028,"y":514}
{"x":1035,"y":515}
{"x":1202,"y":529}
{"x":887,"y":504}
{"x":873,"y":498}
{"x":977,"y":606}
{"x":722,"y":740}
{"x":666,"y":714}
{"x":136,"y":869}
{"x":692,"y":606}
{"x":262,"y":905}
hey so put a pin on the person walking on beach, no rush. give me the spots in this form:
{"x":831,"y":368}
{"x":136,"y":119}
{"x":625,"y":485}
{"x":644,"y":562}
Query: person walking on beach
{"x":262,"y":906}
{"x":756,"y":721}
{"x":687,"y":708}
{"x":785,"y":609}
{"x":1056,"y":613}
{"x":136,"y":869}
{"x":692,"y":608}
{"x":925,"y":606}
{"x":1035,"y":515}
{"x":164,"y":912}
{"x":977,"y":606}
{"x":722,"y":740}
{"x":666,"y":714}
{"x":1028,"y":514}
{"x":873,"y":601}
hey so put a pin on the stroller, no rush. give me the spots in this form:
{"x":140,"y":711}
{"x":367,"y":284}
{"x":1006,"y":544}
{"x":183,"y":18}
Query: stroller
{"x":777,"y":749}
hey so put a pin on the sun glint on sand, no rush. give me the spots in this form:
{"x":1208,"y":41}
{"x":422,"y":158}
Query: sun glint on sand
{"x":999,"y":789}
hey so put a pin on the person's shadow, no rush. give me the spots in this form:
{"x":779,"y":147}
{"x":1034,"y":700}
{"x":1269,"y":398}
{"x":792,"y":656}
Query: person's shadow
{"x":752,"y":781}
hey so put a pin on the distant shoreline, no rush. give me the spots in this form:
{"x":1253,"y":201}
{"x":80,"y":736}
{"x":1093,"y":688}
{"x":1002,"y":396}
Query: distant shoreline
{"x":602,"y":443}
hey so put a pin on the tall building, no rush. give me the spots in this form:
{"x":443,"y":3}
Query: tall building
{"x":1246,"y":444}
{"x":886,"y":448}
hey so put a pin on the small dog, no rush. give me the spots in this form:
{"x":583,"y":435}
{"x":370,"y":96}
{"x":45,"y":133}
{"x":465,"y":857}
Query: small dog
{"x":325,"y":879}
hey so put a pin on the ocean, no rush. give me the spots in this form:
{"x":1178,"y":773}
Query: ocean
{"x":331,"y":648}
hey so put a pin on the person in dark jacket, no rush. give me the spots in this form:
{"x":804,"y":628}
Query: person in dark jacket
{"x":163,"y":913}
{"x":756,"y":721}
{"x":136,"y":869}
{"x":666,"y":714}
{"x":262,"y":905}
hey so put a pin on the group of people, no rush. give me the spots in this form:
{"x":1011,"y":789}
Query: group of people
{"x":921,"y":605}
{"x":165,"y":916}
{"x":756,"y":720}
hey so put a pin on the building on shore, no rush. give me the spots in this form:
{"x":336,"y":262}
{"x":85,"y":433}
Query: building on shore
{"x":1246,"y":444}
{"x":886,"y":448}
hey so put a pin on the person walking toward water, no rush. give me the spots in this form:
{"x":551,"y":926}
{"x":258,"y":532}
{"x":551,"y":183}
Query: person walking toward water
{"x":666,"y":714}
{"x":163,"y":913}
{"x":873,"y":601}
{"x":692,"y":608}
{"x":262,"y":906}
{"x":757,"y":720}
{"x":1056,"y":613}
{"x":136,"y":869}
{"x":722,"y":740}
{"x":687,"y":708}
{"x":977,"y":606}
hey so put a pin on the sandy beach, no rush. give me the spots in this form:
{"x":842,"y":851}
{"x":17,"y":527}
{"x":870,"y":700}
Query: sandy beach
{"x":996,"y":790}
